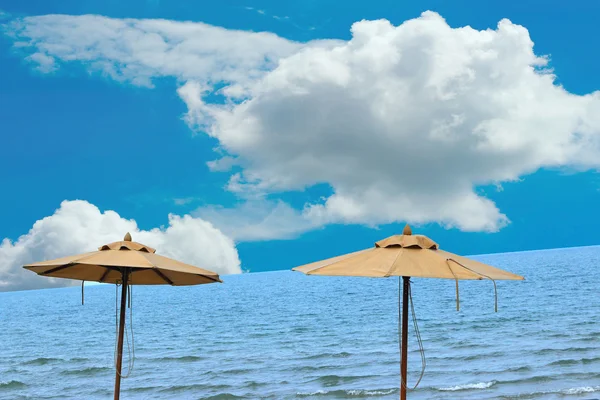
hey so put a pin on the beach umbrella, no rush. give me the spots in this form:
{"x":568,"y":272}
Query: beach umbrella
{"x":407,"y":256}
{"x":124,"y":263}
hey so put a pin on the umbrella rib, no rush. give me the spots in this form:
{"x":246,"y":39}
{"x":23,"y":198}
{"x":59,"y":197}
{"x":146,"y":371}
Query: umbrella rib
{"x":345,"y":257}
{"x":108,"y":269}
{"x":105,"y":274}
{"x":61,"y":267}
{"x":211,"y":278}
{"x":394,"y":263}
{"x":162,"y":276}
{"x":55,"y":269}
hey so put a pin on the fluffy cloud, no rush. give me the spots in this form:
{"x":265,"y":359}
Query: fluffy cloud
{"x":402,"y":122}
{"x":78,"y":227}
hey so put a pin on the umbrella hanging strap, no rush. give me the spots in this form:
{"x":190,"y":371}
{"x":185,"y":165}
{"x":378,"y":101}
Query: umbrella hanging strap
{"x":82,"y":282}
{"x":485,"y":276}
{"x":130,"y":344}
{"x":417,"y":333}
{"x":457,"y":292}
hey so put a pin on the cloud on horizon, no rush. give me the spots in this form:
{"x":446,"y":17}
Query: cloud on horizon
{"x":78,"y":227}
{"x":402,"y":122}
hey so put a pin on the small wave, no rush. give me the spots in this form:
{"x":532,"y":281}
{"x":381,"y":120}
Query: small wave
{"x":574,"y":361}
{"x":189,"y":388}
{"x":312,"y":368}
{"x":576,"y":391}
{"x":468,"y":345}
{"x":258,"y":335}
{"x":588,"y":339}
{"x":351,"y":393}
{"x":300,"y":329}
{"x":179,"y":359}
{"x":523,"y":368}
{"x":254,"y":384}
{"x":531,"y":379}
{"x":104,"y":392}
{"x":481,"y":356}
{"x":223,"y":396}
{"x":558,"y":336}
{"x":566,"y":350}
{"x":42,"y":361}
{"x":87,"y":371}
{"x":343,"y":354}
{"x":239,"y":371}
{"x":334,"y":380}
{"x":580,"y":390}
{"x":472,"y":357}
{"x":564,"y":363}
{"x":469,"y":386}
{"x":12,"y":385}
{"x":143,"y":389}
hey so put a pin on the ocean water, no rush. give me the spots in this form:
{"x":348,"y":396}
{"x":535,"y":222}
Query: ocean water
{"x":284,"y":335}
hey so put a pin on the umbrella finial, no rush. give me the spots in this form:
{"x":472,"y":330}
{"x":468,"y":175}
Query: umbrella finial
{"x":127,"y":237}
{"x":407,"y":230}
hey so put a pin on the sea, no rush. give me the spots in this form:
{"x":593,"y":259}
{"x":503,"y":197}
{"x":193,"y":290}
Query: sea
{"x":285,"y":335}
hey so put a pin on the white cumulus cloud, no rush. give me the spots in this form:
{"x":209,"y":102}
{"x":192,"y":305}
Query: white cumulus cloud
{"x":78,"y":227}
{"x":404,"y":122}
{"x":401,"y":122}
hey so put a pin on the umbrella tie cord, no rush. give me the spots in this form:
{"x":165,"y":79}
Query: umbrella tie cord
{"x":417,"y":334}
{"x":130,"y":345}
{"x":485,"y":276}
{"x":457,"y":295}
{"x":457,"y":292}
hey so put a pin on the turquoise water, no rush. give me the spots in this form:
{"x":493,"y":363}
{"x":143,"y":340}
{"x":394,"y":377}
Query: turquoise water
{"x":284,"y":335}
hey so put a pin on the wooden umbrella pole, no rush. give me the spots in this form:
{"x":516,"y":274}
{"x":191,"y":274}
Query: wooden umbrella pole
{"x":121,"y":333}
{"x":404,"y":353}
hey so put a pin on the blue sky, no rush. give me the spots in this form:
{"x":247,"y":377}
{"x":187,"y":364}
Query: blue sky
{"x":77,"y":133}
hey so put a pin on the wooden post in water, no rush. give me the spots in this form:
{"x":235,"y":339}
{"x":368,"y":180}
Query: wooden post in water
{"x":404,"y":352}
{"x":121,"y":333}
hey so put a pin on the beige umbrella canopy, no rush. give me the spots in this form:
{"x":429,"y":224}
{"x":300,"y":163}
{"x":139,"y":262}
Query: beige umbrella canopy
{"x":144,"y":266}
{"x":407,"y":256}
{"x":125,"y":263}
